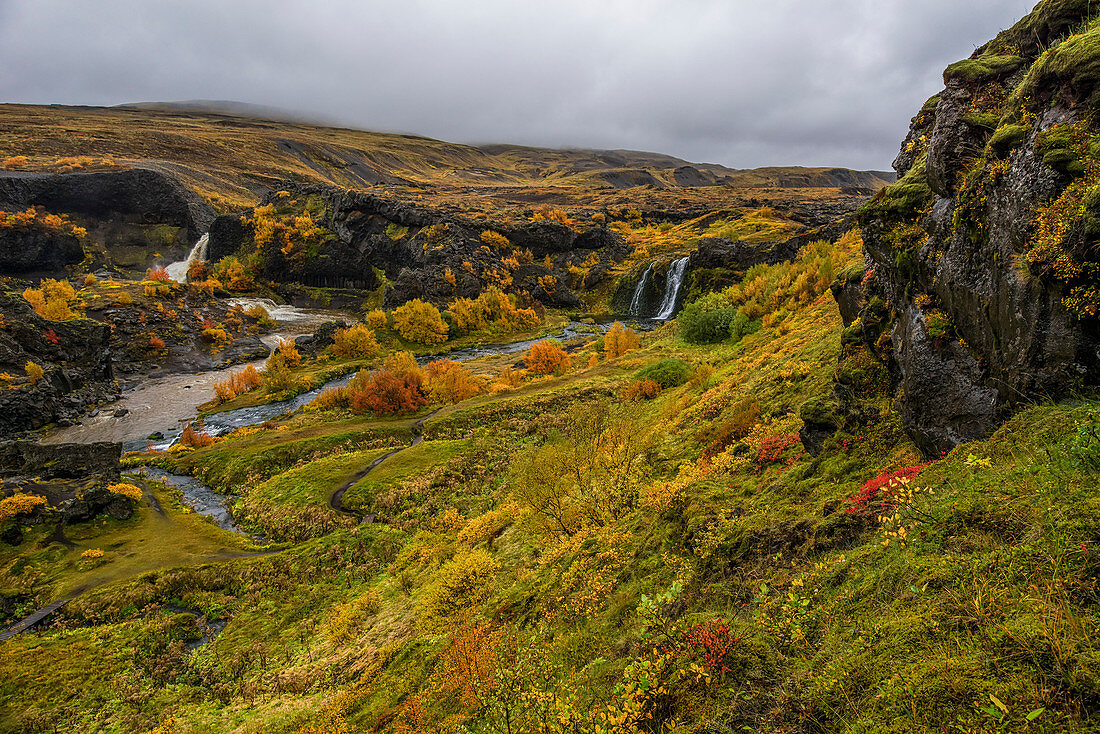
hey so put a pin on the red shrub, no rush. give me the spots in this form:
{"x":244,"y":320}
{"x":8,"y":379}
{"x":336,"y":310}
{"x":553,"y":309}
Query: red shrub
{"x":712,"y":642}
{"x":772,"y":447}
{"x":871,"y":489}
{"x":51,"y":336}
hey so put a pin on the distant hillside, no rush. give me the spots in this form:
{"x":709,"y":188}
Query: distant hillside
{"x":231,"y":159}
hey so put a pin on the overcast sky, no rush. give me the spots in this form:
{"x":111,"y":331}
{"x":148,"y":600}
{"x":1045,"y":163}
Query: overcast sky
{"x":740,"y":82}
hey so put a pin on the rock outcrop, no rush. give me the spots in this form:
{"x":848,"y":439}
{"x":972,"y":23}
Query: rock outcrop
{"x":421,"y":252}
{"x":75,"y":357}
{"x":143,"y":194}
{"x":985,"y":275}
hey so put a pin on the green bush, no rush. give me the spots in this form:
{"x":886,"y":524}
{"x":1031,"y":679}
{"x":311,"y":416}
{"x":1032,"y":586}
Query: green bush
{"x":667,"y":373}
{"x":707,"y":320}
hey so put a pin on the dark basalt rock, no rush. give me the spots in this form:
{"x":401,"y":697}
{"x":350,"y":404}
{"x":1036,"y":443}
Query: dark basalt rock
{"x":1009,"y":338}
{"x":415,"y":246}
{"x":60,"y":461}
{"x":146,"y":194}
{"x":75,"y":355}
{"x":322,"y":337}
{"x":32,"y":251}
{"x":94,"y":502}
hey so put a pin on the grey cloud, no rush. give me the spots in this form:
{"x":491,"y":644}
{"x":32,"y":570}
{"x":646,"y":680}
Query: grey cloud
{"x":734,"y":82}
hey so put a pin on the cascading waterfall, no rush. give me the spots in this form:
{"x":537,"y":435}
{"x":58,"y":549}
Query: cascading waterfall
{"x":177,"y":271}
{"x":672,"y":289}
{"x":636,"y":301}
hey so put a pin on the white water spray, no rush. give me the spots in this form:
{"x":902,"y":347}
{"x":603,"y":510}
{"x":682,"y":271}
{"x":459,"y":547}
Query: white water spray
{"x":177,"y":271}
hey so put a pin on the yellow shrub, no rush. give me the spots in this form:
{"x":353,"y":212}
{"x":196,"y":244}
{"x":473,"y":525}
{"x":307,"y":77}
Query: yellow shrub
{"x":126,"y":490}
{"x":461,"y":584}
{"x":357,"y":342}
{"x":420,"y":322}
{"x":619,"y":340}
{"x":376,"y":319}
{"x":34,"y":372}
{"x":19,"y":504}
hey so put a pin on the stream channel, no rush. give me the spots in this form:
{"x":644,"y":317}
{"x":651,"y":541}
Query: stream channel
{"x":153,"y":414}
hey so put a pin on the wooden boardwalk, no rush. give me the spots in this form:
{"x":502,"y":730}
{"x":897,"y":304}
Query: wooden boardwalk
{"x":27,"y":622}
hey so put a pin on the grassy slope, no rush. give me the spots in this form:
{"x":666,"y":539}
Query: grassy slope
{"x":993,"y":593}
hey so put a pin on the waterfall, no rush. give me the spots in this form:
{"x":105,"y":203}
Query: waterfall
{"x":636,"y":301}
{"x":672,"y":289}
{"x":177,"y":271}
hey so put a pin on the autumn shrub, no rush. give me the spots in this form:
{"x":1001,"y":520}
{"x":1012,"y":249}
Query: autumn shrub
{"x":277,"y":377}
{"x":125,"y":489}
{"x":495,"y":240}
{"x":231,"y":272}
{"x":620,"y":340}
{"x":872,"y":488}
{"x":195,"y":438}
{"x":492,"y":311}
{"x":507,"y":379}
{"x":158,"y":273}
{"x":641,"y":390}
{"x":347,"y":619}
{"x":451,"y":382}
{"x":333,"y":398}
{"x":215,"y":336}
{"x":376,"y":319}
{"x":420,"y":322}
{"x":238,"y":383}
{"x":19,"y":504}
{"x":716,"y":437}
{"x":289,"y":352}
{"x":34,"y":372}
{"x":459,"y":586}
{"x":51,"y":300}
{"x":156,"y":344}
{"x":356,"y":342}
{"x":548,"y":358}
{"x":383,"y":393}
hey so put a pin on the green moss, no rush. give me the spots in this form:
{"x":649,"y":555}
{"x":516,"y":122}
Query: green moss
{"x":983,"y":69}
{"x":822,"y":411}
{"x":1006,"y":138}
{"x":1073,"y":65}
{"x":901,"y":201}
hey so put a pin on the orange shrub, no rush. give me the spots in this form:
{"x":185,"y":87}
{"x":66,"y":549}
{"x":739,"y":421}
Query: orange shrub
{"x":641,"y":390}
{"x":156,"y":343}
{"x":289,"y":350}
{"x":330,"y":399}
{"x":384,"y":393}
{"x":619,"y":340}
{"x":451,"y":382}
{"x":548,"y":358}
{"x":195,"y":439}
{"x":238,"y":383}
{"x":158,"y":274}
{"x":15,"y":161}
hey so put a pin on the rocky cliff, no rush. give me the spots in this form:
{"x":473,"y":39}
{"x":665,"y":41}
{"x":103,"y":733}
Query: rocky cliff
{"x":75,"y":357}
{"x":983,"y":289}
{"x":365,"y":240}
{"x":135,"y":218}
